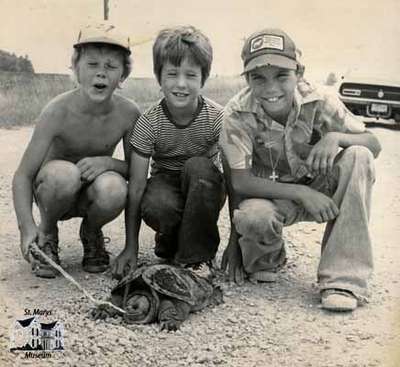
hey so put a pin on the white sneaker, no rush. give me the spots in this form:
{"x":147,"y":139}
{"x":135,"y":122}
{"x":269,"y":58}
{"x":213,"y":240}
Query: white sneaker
{"x":338,"y":300}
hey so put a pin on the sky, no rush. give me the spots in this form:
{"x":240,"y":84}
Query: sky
{"x":334,"y":35}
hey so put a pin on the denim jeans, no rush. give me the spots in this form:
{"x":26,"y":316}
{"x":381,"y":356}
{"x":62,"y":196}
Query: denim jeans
{"x":183,"y":208}
{"x":346,"y":255}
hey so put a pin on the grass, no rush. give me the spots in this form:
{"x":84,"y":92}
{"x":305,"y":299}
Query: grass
{"x":23,"y":95}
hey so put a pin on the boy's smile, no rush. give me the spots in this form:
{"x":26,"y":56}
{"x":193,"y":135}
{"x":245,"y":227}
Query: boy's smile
{"x":181,"y":86}
{"x":99,"y":72}
{"x":274,"y":88}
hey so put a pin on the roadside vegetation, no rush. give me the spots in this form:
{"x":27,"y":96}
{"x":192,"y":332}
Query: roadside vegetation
{"x":23,"y":95}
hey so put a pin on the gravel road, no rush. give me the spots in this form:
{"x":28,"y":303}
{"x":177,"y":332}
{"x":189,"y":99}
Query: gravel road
{"x":275,"y":325}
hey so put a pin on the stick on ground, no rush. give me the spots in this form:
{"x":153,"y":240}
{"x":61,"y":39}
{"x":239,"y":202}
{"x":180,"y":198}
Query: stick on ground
{"x":96,"y":302}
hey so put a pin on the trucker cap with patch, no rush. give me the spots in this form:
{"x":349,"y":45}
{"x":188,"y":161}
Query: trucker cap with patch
{"x":269,"y":47}
{"x":102,"y":33}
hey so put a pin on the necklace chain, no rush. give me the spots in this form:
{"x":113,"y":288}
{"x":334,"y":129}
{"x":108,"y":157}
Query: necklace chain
{"x":273,"y":176}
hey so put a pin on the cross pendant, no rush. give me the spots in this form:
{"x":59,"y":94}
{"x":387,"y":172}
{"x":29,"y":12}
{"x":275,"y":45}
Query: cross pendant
{"x":274,"y":176}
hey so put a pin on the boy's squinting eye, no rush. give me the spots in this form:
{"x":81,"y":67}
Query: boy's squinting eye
{"x":111,"y":66}
{"x":256,"y":77}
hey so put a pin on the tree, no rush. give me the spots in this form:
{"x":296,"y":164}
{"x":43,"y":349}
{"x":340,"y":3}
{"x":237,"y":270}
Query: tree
{"x":11,"y":62}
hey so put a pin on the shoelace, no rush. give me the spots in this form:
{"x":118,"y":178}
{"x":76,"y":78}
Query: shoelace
{"x":200,"y":265}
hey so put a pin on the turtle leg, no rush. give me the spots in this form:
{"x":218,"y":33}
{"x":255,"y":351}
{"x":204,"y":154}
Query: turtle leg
{"x":101,"y":312}
{"x":172,"y":313}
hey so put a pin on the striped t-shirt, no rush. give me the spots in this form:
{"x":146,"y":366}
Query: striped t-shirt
{"x":156,"y":135}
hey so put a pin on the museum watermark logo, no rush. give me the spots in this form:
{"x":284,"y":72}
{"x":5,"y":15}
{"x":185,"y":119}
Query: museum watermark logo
{"x":35,"y":338}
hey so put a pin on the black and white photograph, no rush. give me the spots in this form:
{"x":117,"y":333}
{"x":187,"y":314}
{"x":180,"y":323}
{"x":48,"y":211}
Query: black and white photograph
{"x":200,"y":183}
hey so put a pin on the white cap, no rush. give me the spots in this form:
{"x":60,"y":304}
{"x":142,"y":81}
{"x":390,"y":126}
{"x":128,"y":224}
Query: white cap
{"x":102,"y":33}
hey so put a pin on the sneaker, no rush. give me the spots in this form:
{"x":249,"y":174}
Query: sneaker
{"x":48,"y":243}
{"x":95,"y":257}
{"x":206,"y":269}
{"x":267,"y":276}
{"x":338,"y":300}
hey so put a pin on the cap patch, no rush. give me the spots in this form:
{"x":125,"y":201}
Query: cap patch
{"x":266,"y":41}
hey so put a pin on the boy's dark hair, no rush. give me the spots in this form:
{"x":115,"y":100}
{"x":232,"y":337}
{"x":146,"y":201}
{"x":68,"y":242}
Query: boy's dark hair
{"x":78,"y":51}
{"x":175,"y":44}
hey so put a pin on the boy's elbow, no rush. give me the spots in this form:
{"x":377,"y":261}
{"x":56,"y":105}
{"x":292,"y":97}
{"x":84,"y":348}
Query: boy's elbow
{"x":376,"y":147}
{"x":377,"y":151}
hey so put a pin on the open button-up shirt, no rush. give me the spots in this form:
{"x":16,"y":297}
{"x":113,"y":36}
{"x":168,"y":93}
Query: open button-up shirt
{"x":251,"y":139}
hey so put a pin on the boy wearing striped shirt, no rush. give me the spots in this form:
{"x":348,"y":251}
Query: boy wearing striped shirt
{"x":182,"y":198}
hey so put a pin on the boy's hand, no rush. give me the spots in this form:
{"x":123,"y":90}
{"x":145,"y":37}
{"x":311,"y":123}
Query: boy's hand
{"x":321,"y":207}
{"x":125,"y":263}
{"x":232,"y":259}
{"x":322,"y":155}
{"x":28,"y":236}
{"x":91,"y":167}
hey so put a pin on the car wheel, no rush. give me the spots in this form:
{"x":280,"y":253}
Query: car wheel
{"x":397,"y":117}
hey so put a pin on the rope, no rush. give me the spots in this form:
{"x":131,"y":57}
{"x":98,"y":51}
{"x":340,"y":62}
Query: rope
{"x":96,"y":302}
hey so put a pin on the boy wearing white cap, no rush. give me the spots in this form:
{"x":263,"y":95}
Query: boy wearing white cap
{"x":68,"y":166}
{"x":295,"y":153}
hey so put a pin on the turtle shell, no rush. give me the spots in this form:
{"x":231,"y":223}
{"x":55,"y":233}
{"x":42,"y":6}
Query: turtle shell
{"x":134,"y":280}
{"x":179,"y":283}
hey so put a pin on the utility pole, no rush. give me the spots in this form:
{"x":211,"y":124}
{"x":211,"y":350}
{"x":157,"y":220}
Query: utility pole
{"x":106,"y":8}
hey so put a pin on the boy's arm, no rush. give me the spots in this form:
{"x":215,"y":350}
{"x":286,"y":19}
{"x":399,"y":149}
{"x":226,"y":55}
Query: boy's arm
{"x":321,"y":207}
{"x":366,"y":139}
{"x":322,"y":156}
{"x":22,"y":185}
{"x":118,"y":165}
{"x":91,"y":167}
{"x":232,"y":257}
{"x":137,"y":183}
{"x":341,"y":129}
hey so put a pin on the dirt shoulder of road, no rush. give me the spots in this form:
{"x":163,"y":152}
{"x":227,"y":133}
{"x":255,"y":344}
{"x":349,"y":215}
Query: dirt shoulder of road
{"x":278,"y":324}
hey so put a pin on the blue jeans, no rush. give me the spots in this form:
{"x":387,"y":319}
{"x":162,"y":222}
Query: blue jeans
{"x":346,"y":254}
{"x":183,"y":208}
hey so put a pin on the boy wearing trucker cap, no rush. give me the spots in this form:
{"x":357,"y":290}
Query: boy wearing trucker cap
{"x":295,"y":153}
{"x":68,"y":166}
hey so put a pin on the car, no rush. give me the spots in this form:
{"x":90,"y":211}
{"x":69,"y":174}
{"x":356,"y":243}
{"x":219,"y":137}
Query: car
{"x":375,"y":98}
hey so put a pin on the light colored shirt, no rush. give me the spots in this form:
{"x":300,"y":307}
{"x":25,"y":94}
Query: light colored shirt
{"x":248,"y":131}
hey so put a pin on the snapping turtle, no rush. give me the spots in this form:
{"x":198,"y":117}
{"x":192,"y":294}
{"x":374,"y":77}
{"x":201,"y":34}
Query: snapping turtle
{"x":163,"y":293}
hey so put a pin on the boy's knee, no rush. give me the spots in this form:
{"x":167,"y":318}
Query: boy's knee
{"x":162,"y":214}
{"x":360,"y":156}
{"x":61,"y":176}
{"x":359,"y":152}
{"x":109,"y":190}
{"x":257,"y":217}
